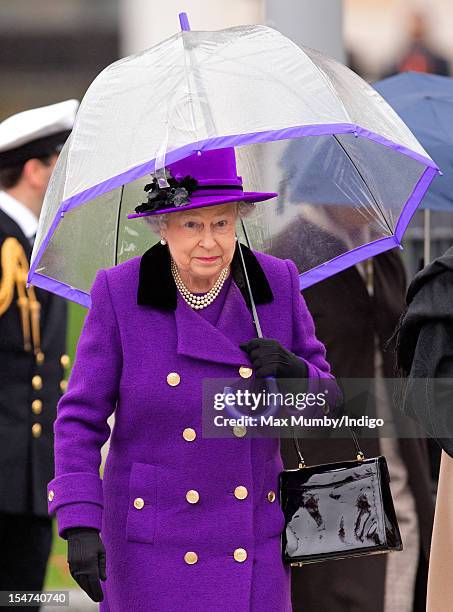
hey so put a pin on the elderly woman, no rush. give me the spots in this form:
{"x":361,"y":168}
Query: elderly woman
{"x":180,"y":522}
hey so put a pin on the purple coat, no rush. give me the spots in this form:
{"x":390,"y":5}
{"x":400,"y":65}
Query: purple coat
{"x":125,"y":353}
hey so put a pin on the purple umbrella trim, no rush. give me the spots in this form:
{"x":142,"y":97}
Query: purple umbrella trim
{"x":411,"y":205}
{"x":320,"y":272}
{"x":238,"y":140}
{"x":62,"y":289}
{"x":340,"y":263}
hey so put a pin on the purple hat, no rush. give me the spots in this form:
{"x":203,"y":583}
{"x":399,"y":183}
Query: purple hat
{"x":196,"y":181}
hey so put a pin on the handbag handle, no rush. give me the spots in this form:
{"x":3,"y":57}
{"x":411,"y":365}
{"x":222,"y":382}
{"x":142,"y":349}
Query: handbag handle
{"x":360,"y":455}
{"x":259,"y":333}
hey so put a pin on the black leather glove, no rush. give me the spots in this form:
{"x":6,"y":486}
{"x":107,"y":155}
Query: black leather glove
{"x":270,"y":358}
{"x":86,"y":560}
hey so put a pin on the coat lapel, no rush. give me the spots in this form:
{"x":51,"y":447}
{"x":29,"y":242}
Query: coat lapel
{"x":197,"y":337}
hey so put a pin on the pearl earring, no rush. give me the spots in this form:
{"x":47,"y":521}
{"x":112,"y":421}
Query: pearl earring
{"x":163,"y":241}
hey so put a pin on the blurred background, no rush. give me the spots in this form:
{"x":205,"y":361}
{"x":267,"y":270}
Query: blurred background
{"x":51,"y":50}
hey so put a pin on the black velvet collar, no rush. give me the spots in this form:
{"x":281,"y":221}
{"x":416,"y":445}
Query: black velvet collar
{"x":157,"y":288}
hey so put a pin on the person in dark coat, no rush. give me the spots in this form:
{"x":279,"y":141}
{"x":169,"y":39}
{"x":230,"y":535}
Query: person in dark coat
{"x":355,"y":324}
{"x":424,"y":350}
{"x":32,"y":347}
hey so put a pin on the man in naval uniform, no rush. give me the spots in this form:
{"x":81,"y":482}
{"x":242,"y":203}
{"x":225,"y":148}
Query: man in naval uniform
{"x":32,"y":346}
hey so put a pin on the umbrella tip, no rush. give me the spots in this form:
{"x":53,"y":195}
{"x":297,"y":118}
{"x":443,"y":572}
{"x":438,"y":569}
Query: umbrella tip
{"x":184,"y":22}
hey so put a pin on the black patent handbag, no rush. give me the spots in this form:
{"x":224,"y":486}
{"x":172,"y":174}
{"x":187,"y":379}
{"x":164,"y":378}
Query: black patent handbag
{"x":337,"y":510}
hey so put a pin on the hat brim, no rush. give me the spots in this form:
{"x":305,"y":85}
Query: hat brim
{"x":198,"y":202}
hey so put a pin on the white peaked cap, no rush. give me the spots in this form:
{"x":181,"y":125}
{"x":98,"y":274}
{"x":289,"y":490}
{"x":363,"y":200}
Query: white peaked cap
{"x":21,"y":128}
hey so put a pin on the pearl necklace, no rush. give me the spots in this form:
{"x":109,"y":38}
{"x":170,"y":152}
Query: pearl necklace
{"x":197,"y":302}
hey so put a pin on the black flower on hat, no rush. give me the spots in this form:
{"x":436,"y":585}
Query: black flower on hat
{"x":177,"y":194}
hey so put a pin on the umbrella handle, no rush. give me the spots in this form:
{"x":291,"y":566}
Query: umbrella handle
{"x":270,"y":380}
{"x":256,"y":320}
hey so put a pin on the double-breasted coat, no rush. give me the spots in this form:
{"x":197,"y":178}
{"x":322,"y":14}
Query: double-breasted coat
{"x":29,"y":392}
{"x":178,"y":533}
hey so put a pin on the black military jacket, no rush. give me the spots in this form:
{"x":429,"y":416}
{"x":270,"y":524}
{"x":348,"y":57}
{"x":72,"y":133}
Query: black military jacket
{"x":29,"y":392}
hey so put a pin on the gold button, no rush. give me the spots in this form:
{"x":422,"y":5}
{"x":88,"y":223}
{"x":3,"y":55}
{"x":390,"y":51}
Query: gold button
{"x":51,"y":495}
{"x":189,"y":434}
{"x":36,"y":406}
{"x":65,"y":361}
{"x":173,"y":379}
{"x":245,"y":372}
{"x":271,"y":496}
{"x":240,"y":492}
{"x":39,"y":358}
{"x":63,"y":385}
{"x":190,"y":557}
{"x":36,"y":429}
{"x":138,"y":503}
{"x":192,"y":496}
{"x":36,"y":382}
{"x":240,"y":555}
{"x":239,"y":431}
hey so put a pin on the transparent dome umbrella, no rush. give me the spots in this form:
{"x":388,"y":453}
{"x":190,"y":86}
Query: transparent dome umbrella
{"x":350,"y":174}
